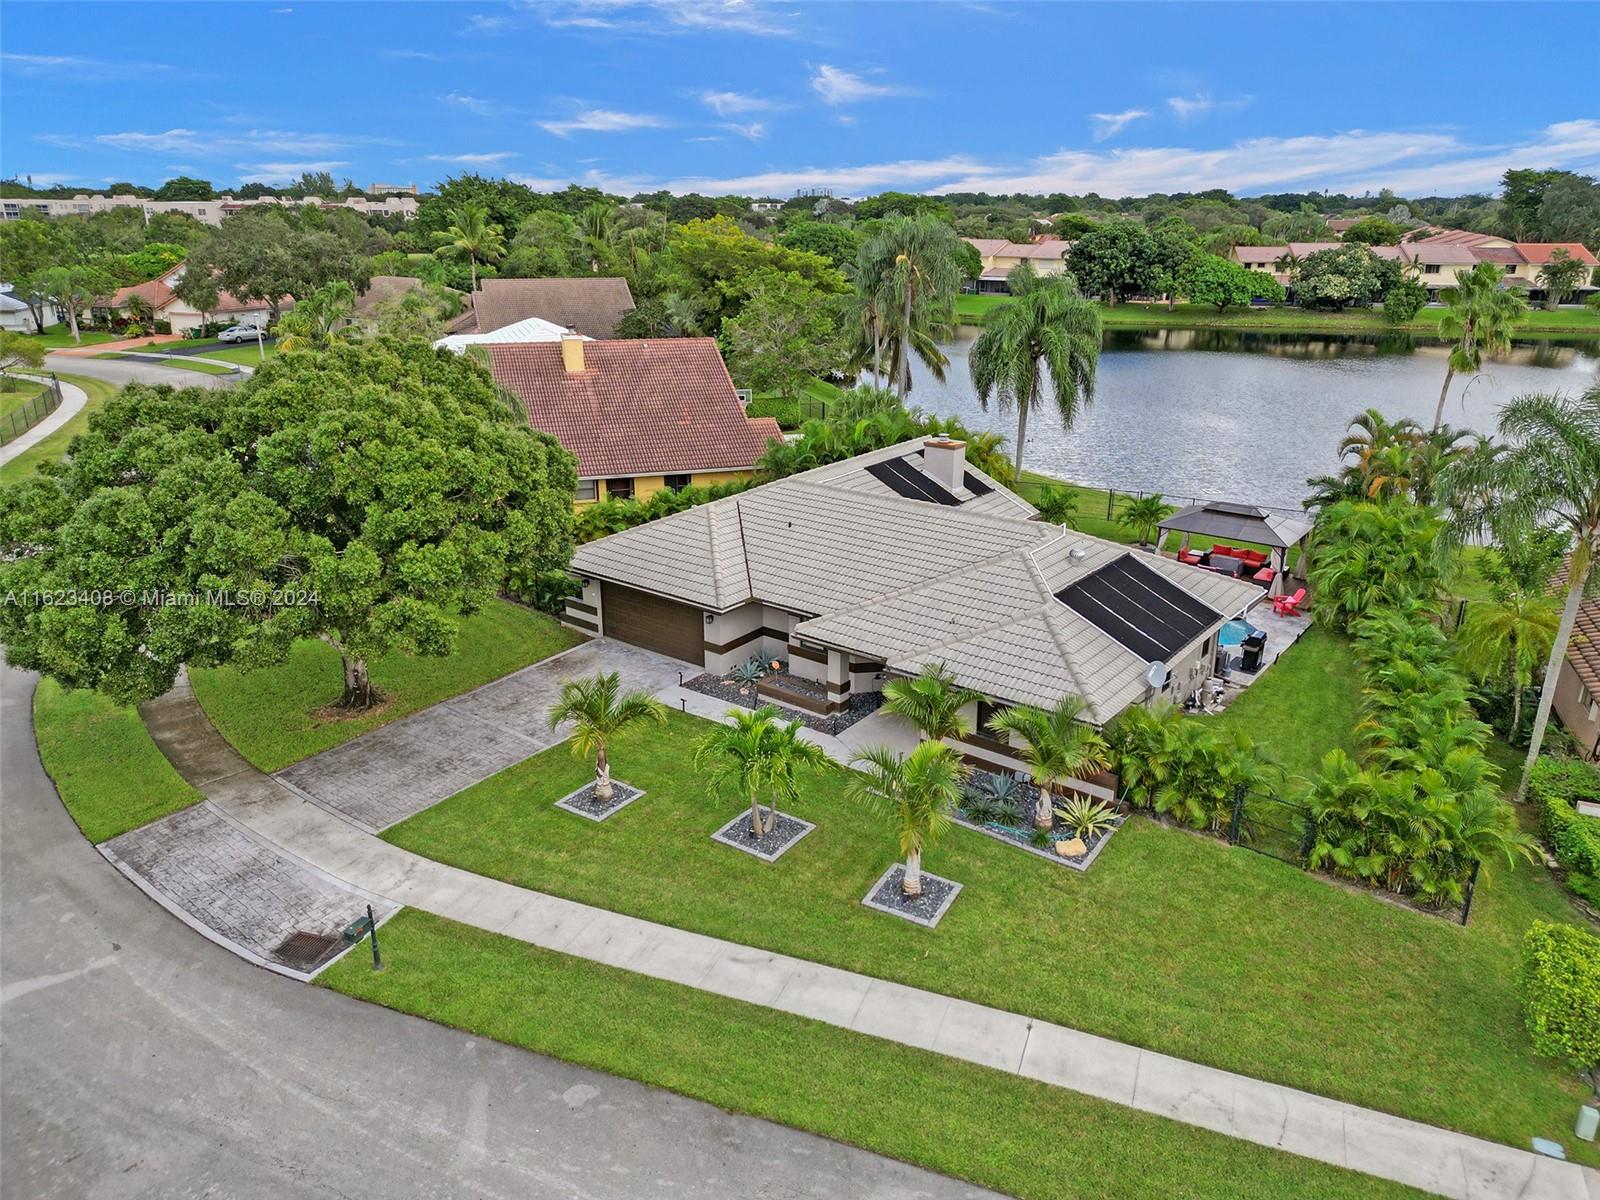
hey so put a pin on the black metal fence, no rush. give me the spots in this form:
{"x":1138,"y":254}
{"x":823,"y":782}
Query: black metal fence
{"x":31,"y":411}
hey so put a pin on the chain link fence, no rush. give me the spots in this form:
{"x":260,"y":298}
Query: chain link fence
{"x":17,"y":421}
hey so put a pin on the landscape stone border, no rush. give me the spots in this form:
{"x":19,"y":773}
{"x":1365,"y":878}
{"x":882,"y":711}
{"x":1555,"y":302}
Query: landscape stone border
{"x":582,"y":801}
{"x":1082,"y":864}
{"x":939,"y":893}
{"x":786,"y":833}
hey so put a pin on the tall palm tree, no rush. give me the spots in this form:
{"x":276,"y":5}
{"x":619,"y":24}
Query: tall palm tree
{"x":597,"y":229}
{"x":932,"y":702}
{"x":1506,"y":637}
{"x":471,"y":233}
{"x":1056,"y":745}
{"x":1548,"y":473}
{"x":1047,"y":329}
{"x":599,"y":711}
{"x":757,"y":752}
{"x":917,"y":275}
{"x":1478,"y":320}
{"x":919,"y":792}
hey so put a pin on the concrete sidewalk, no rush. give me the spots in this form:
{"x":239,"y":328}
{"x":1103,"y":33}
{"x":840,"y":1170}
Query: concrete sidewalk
{"x":73,"y":398}
{"x":1437,"y":1160}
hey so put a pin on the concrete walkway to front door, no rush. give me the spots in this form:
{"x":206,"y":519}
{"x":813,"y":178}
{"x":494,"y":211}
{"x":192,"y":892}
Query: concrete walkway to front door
{"x":1268,"y":1114}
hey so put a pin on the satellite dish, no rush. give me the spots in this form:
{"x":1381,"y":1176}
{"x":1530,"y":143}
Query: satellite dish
{"x":1156,"y":674}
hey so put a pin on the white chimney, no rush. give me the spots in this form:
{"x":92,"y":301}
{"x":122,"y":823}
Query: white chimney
{"x":945,"y":461}
{"x":572,"y":353}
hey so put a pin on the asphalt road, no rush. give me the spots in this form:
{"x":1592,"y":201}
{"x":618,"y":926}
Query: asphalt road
{"x":140,"y":1060}
{"x":122,"y":371}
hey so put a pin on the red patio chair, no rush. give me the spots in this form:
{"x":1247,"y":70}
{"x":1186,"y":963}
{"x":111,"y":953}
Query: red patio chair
{"x":1289,"y":606}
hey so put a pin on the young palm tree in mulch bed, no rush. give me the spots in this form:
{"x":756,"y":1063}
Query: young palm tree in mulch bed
{"x":599,"y":712}
{"x":759,"y":752}
{"x":931,"y":702}
{"x":1056,"y":745}
{"x":918,"y":791}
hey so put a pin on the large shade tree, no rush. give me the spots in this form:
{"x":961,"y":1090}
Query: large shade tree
{"x":364,"y":495}
{"x":1547,"y":475}
{"x":1047,"y":330}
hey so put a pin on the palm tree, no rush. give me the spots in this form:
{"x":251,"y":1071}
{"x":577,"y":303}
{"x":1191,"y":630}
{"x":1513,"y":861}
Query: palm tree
{"x":1056,"y":745}
{"x":916,"y":274}
{"x":757,"y":751}
{"x":919,"y":792}
{"x":1549,"y":472}
{"x":1048,"y":325}
{"x":1478,"y":321}
{"x":932,"y":702}
{"x":1142,"y":517}
{"x":1506,"y":637}
{"x":598,"y":713}
{"x":596,"y":230}
{"x":471,"y":233}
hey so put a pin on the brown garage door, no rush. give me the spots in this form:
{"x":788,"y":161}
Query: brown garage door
{"x":664,"y":626}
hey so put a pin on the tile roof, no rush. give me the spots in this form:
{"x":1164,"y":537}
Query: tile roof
{"x":1498,"y":254}
{"x":1049,"y":248}
{"x":591,"y":305}
{"x":384,"y":287}
{"x":1441,"y":253}
{"x":1460,"y":237}
{"x":1540,"y":253}
{"x":160,"y":295}
{"x":639,"y":407}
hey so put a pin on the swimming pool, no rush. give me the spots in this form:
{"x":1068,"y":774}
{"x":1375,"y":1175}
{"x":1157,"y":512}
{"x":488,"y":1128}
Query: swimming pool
{"x":1234,"y":632}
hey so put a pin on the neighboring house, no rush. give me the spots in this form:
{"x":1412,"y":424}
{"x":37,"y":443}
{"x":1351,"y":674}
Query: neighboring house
{"x":17,"y":317}
{"x":1000,"y":257}
{"x":1577,"y":698}
{"x":209,"y":212}
{"x":590,"y":304}
{"x":380,"y":289}
{"x":531,"y":330}
{"x":640,"y":415}
{"x":878,"y":565}
{"x":159,"y":295}
{"x":1535,"y":255}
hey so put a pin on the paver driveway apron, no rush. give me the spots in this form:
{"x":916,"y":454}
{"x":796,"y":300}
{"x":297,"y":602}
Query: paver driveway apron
{"x":385,"y":776}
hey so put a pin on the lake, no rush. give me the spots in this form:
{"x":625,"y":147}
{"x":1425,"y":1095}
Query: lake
{"x":1230,"y":415}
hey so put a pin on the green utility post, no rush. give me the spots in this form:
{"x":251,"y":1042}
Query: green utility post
{"x":366,"y":926}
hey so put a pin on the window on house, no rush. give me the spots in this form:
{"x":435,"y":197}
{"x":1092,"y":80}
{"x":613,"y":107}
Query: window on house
{"x":588,"y":489}
{"x":619,"y":489}
{"x":677,"y":482}
{"x":1511,"y":268}
{"x":1430,"y":269}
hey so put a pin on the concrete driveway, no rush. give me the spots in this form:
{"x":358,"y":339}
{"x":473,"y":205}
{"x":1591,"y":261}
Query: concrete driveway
{"x":142,"y":1062}
{"x":385,"y":776}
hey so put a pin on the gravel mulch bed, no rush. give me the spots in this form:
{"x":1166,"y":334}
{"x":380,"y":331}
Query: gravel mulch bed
{"x":862,"y":704}
{"x":1021,"y":835}
{"x":770,"y":846}
{"x":937,"y":896}
{"x":583,"y":801}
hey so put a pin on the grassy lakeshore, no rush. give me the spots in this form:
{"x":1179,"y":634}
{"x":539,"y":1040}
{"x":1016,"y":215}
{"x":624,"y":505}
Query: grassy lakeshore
{"x":1565,"y":322}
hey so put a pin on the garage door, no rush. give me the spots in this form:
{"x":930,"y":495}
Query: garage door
{"x":664,"y":626}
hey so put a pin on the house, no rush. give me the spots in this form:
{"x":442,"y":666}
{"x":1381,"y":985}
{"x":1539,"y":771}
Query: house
{"x":164,"y":302}
{"x":640,"y":415}
{"x":531,"y":330}
{"x":592,"y":305}
{"x":17,"y":317}
{"x":1047,"y":256}
{"x":878,"y":565}
{"x":379,"y":290}
{"x":1535,"y":255}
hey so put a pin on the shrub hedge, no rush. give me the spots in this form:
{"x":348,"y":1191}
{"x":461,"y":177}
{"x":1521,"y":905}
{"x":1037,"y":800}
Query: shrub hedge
{"x":1561,"y":995}
{"x":1557,"y":785}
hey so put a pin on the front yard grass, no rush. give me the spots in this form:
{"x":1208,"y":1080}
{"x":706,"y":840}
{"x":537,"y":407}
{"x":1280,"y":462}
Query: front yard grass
{"x":110,"y":774}
{"x":1000,"y":1131}
{"x":244,"y":353}
{"x":183,"y":364}
{"x":59,"y":337}
{"x":51,"y":448}
{"x":270,"y":715}
{"x":1173,"y":941}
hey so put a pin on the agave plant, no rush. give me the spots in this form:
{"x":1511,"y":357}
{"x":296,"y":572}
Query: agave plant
{"x":1086,"y":817}
{"x":748,"y":672}
{"x":995,"y":797}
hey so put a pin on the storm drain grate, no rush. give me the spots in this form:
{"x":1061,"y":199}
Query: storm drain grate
{"x":304,"y":951}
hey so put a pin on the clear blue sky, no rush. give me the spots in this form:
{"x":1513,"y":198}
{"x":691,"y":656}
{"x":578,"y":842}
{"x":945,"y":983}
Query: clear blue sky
{"x":764,"y":98}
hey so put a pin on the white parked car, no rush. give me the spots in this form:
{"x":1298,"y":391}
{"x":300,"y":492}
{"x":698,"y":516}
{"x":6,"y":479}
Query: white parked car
{"x":239,"y":333}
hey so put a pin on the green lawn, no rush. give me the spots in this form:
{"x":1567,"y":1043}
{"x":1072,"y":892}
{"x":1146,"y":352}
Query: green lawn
{"x":1562,"y":322}
{"x":55,"y":446}
{"x":270,"y":715}
{"x":245,"y":355}
{"x":1172,"y":941}
{"x":111,"y":776}
{"x":59,"y":337}
{"x":183,"y":364}
{"x":16,"y":396}
{"x":997,"y":1130}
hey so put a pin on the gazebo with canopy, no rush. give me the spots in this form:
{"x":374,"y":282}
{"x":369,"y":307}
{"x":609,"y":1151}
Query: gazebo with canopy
{"x":1230,"y":523}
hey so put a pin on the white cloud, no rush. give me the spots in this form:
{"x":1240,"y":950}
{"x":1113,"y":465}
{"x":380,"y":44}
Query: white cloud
{"x":77,"y":68}
{"x":753,"y":131}
{"x":603,"y":120}
{"x":479,"y":23}
{"x":472,"y":160}
{"x":422,"y":55}
{"x":731,"y":104}
{"x":282,"y":172}
{"x":1110,"y":124}
{"x":1188,"y":108}
{"x":754,"y":17}
{"x":474,"y":104}
{"x":846,"y":180}
{"x":199,"y":146}
{"x":838,"y":86}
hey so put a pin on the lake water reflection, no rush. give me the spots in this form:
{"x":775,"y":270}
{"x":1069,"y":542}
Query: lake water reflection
{"x":1248,"y":416}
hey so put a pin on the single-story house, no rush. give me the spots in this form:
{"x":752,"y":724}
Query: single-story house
{"x":164,"y":302}
{"x":379,"y":290}
{"x":17,"y":317}
{"x":533,"y":329}
{"x":875,"y":566}
{"x":640,"y":415}
{"x":592,"y":305}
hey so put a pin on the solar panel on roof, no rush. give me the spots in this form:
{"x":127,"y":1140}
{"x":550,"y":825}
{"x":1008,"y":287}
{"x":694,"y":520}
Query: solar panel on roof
{"x":905,"y":480}
{"x":975,"y":485}
{"x":1144,"y":610}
